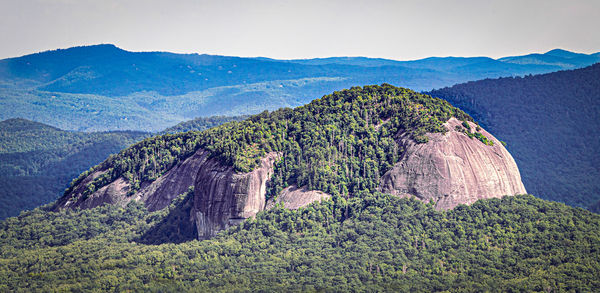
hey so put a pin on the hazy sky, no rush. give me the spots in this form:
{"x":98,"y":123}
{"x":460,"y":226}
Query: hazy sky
{"x":399,"y":30}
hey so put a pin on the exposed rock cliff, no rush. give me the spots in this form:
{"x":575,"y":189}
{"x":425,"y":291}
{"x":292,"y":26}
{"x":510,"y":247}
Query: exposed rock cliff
{"x":223,"y":198}
{"x":327,"y":145}
{"x":155,"y":195}
{"x":450,"y":169}
{"x":163,"y":190}
{"x":113,"y":193}
{"x":453,"y":169}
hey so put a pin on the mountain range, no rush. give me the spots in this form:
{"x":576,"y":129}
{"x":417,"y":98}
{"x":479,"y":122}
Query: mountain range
{"x":102,"y":87}
{"x":544,"y":149}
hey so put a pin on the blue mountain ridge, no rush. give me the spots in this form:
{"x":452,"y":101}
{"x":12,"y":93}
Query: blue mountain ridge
{"x":102,"y":87}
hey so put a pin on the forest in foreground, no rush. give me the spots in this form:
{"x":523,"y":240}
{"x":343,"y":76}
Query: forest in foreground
{"x":375,"y":242}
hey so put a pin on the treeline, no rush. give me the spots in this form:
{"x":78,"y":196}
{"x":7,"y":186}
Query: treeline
{"x":202,"y":123}
{"x":375,"y":242}
{"x":340,"y":144}
{"x":551,"y":126}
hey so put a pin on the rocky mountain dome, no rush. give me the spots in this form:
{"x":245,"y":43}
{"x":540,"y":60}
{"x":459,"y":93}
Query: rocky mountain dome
{"x":374,"y":138}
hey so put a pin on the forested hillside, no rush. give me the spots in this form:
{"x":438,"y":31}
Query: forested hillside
{"x":102,"y":87}
{"x":550,"y":123}
{"x":340,"y":144}
{"x":38,"y":161}
{"x":356,"y":240}
{"x":371,"y":243}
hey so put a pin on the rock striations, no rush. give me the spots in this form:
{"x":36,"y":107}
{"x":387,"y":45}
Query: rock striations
{"x":155,"y":195}
{"x":453,"y":169}
{"x":223,"y":198}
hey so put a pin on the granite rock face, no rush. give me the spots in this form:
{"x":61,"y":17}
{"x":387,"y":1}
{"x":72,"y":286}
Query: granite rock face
{"x":174,"y":182}
{"x":156,"y":195}
{"x":224,"y":198}
{"x":294,"y":197}
{"x":453,"y":169}
{"x":113,"y":193}
{"x":450,"y":169}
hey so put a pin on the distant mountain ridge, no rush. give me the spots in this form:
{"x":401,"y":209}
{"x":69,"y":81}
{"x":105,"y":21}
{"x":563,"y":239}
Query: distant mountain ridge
{"x":557,"y":57}
{"x":103,"y":87}
{"x":567,"y":60}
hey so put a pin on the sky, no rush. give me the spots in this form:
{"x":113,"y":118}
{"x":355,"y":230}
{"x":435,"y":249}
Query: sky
{"x":401,"y":30}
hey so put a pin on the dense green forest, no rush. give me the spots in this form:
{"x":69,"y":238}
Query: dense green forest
{"x":38,"y":161}
{"x":375,"y":242}
{"x":551,"y":127}
{"x":340,"y":144}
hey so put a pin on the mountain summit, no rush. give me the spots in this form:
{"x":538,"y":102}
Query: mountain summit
{"x":349,"y":143}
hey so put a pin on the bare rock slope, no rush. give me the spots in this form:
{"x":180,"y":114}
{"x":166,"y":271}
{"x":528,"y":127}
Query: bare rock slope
{"x":294,"y":197}
{"x":223,"y":198}
{"x":453,"y":169}
{"x":155,"y":195}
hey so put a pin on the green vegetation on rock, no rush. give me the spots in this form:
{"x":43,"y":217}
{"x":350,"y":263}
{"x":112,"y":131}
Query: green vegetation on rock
{"x":467,"y":130}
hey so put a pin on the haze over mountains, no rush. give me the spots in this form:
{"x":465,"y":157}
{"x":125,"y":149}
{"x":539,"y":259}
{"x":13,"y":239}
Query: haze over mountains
{"x":103,"y":87}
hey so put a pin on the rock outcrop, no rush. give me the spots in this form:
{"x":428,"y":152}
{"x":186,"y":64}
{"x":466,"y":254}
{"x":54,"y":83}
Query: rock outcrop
{"x":453,"y":169}
{"x":156,"y":195}
{"x":450,"y":169}
{"x":113,"y":193}
{"x":174,"y":182}
{"x":223,"y":198}
{"x":294,"y":197}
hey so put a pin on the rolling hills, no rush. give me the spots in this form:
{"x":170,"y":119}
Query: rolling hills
{"x":102,"y":87}
{"x":550,"y":123}
{"x":38,"y":161}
